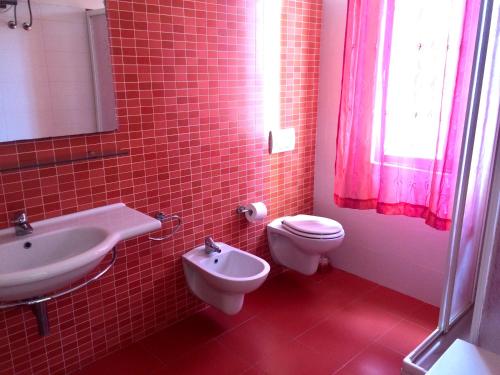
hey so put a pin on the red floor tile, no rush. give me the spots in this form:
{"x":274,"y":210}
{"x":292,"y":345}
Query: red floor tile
{"x":271,"y":293}
{"x":332,"y":290}
{"x":296,"y":359}
{"x":336,"y":339}
{"x":184,"y":336}
{"x":335,"y":297}
{"x":427,"y":316}
{"x":366,"y":320}
{"x":311,"y":301}
{"x":305,"y":280}
{"x":347,"y":283}
{"x":132,"y":360}
{"x":394,"y":302}
{"x":224,"y":321}
{"x":375,"y":360}
{"x":253,"y":371}
{"x":209,"y":358}
{"x":293,"y":318}
{"x":282,"y":286}
{"x":404,"y":337}
{"x":254,"y":339}
{"x":292,"y":325}
{"x":256,"y":301}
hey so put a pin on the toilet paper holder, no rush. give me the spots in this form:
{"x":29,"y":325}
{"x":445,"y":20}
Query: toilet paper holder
{"x":242,"y":210}
{"x":254,"y":212}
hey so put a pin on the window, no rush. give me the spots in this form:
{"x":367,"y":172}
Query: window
{"x":405,"y":84}
{"x":424,"y":56}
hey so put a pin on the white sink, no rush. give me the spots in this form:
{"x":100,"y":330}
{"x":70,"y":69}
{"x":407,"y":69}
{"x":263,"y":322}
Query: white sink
{"x":64,"y":249}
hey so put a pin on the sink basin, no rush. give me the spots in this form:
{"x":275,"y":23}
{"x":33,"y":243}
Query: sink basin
{"x":64,"y":249}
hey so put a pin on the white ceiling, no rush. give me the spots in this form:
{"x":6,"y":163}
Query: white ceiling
{"x":84,"y":4}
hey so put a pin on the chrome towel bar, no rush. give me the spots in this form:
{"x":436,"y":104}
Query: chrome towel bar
{"x":163,"y":218}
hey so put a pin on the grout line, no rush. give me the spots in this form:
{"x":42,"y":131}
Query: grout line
{"x":237,"y":354}
{"x":352,"y":358}
{"x":215,"y":338}
{"x":374,"y":341}
{"x":236,"y":326}
{"x":296,"y":338}
{"x":356,"y":299}
{"x":409,"y":320}
{"x":391,"y":349}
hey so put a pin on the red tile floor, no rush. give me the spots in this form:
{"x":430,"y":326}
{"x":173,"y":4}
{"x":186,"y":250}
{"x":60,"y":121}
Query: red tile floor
{"x":329,"y":323}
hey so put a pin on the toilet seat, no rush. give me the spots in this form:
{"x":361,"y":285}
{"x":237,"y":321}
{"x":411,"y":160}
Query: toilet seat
{"x":314,"y":236}
{"x":314,"y":227}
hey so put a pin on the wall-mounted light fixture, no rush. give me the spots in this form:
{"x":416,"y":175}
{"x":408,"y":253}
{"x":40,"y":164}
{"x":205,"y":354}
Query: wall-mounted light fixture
{"x":6,"y":5}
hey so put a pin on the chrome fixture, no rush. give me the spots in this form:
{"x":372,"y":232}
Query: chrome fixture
{"x":39,"y":304}
{"x":13,"y":4}
{"x":27,"y":25}
{"x":22,"y":225}
{"x":242,"y":210}
{"x":42,"y":318}
{"x":160,"y":216}
{"x":211,"y":246}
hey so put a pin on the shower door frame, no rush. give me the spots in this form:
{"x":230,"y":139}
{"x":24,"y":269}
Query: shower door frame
{"x":446,"y":320}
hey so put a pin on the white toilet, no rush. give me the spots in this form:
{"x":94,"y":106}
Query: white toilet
{"x":298,"y":242}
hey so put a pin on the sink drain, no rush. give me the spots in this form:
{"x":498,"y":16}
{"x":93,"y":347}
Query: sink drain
{"x":27,"y":245}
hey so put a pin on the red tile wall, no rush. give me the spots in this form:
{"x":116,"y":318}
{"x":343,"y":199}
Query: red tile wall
{"x":188,"y":93}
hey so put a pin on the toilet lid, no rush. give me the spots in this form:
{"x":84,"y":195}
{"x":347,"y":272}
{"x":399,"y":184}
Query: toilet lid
{"x":315,"y":236}
{"x":312,"y":225}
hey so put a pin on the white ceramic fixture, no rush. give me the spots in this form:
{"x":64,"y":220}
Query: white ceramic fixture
{"x":222,"y":279}
{"x":64,"y":249}
{"x":463,"y":358}
{"x":298,"y":242}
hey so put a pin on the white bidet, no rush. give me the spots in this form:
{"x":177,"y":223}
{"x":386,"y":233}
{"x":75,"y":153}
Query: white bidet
{"x":222,"y":279}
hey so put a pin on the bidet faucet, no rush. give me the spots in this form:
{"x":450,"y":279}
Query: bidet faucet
{"x":211,"y":246}
{"x":21,"y":224}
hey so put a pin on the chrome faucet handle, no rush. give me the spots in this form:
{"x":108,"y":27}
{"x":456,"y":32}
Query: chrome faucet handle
{"x":211,"y":246}
{"x":209,"y":241}
{"x":20,"y":218}
{"x":21,"y":224}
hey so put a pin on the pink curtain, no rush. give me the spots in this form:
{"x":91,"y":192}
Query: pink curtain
{"x":372,"y":171}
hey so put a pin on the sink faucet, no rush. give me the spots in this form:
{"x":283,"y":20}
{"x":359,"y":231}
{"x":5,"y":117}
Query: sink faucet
{"x":211,"y":246}
{"x":22,"y":225}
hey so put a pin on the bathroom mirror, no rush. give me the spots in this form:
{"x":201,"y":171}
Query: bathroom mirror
{"x":55,"y":78}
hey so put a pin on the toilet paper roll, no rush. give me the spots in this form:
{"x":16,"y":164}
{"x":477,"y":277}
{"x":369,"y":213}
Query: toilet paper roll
{"x":257,"y":211}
